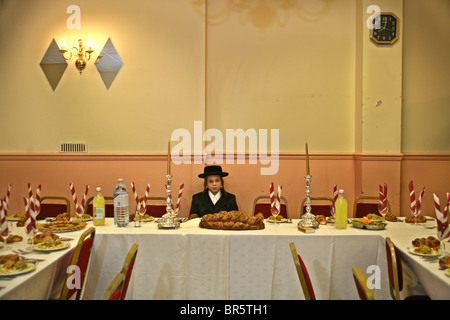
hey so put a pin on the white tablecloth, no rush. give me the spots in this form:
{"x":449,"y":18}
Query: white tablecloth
{"x":195,"y":263}
{"x":45,"y":282}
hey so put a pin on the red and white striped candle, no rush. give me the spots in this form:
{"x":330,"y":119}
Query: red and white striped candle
{"x":412,"y":196}
{"x":143,"y":205}
{"x":180,"y":193}
{"x":278,"y":204}
{"x":136,"y":198}
{"x":83,"y":201}
{"x":272,"y":197}
{"x":74,"y":196}
{"x":441,"y":218}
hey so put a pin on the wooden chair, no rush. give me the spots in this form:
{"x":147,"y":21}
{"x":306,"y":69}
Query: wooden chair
{"x":55,"y":207}
{"x":117,"y":289}
{"x":264,"y":207}
{"x":323,"y":209}
{"x":81,"y":258}
{"x":109,"y":207}
{"x":156,"y":206}
{"x":395,"y":271}
{"x":361,"y":209}
{"x":303,"y":274}
{"x":361,"y":285}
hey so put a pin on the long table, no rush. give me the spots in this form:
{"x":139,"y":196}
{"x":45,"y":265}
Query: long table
{"x":196,"y":263}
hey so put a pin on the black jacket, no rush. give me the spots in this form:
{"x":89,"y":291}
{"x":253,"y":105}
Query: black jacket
{"x":202,"y":204}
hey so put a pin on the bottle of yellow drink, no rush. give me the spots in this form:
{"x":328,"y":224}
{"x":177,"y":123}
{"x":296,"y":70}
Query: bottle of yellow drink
{"x":341,"y":211}
{"x":99,"y":208}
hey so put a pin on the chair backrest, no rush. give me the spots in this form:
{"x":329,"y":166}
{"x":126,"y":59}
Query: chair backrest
{"x":264,"y":206}
{"x":361,"y":285}
{"x":109,"y":207}
{"x":114,"y":290}
{"x":55,"y":207}
{"x":156,"y":206}
{"x":370,"y":205}
{"x":303,"y":274}
{"x":394,"y":269}
{"x":81,"y":258}
{"x":323,"y":209}
{"x":127,"y":269}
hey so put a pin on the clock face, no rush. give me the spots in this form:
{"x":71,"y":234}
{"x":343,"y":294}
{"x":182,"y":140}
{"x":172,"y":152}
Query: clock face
{"x":385,"y":28}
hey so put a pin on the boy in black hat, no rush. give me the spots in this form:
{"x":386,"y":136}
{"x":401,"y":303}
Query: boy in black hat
{"x":214,"y":198}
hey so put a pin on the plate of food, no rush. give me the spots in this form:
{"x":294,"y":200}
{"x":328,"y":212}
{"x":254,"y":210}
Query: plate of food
{"x":278,"y":219}
{"x":12,"y":265}
{"x":15,"y":217}
{"x":425,"y":251}
{"x":83,"y":217}
{"x":51,"y":245}
{"x":369,"y":224}
{"x":62,"y":226}
{"x":331,"y":219}
{"x":147,"y":218}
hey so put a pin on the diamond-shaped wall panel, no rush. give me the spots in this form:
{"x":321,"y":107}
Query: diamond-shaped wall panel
{"x":53,"y":64}
{"x":109,"y":63}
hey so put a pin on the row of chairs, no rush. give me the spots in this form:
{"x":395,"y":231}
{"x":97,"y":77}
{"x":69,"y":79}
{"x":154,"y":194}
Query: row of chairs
{"x":395,"y":271}
{"x":156,"y":206}
{"x":81,"y":258}
{"x":361,"y":206}
{"x":51,"y":206}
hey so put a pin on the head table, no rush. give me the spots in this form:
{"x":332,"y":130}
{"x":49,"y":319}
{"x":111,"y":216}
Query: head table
{"x":196,"y":263}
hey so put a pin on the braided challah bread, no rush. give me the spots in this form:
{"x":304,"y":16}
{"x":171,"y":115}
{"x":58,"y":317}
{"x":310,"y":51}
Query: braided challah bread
{"x":233,"y":220}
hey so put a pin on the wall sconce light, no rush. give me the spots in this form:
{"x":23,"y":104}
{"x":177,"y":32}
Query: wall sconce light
{"x":83,"y":53}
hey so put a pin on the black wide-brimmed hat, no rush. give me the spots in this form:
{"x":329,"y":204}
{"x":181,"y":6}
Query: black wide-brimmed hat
{"x":212,"y":171}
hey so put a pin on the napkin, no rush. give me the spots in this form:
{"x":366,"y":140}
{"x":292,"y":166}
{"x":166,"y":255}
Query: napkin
{"x":335,"y":195}
{"x":383,"y":198}
{"x":79,"y":207}
{"x":442,"y":217}
{"x":141,"y":206}
{"x":30,"y":221}
{"x":275,"y":202}
{"x":415,"y":204}
{"x":3,"y":221}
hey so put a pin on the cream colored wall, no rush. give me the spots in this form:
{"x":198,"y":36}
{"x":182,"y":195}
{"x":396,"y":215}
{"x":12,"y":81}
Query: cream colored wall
{"x":306,"y":67}
{"x":289,"y":68}
{"x":159,"y":88}
{"x":426,"y":94}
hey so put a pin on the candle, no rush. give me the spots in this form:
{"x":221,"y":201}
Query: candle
{"x":168,"y":159}
{"x":89,"y":44}
{"x":63,"y":44}
{"x":307,"y":160}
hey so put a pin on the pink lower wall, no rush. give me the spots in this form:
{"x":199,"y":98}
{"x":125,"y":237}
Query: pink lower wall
{"x":356,"y":173}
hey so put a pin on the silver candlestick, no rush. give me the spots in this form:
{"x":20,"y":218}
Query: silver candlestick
{"x":168,"y":221}
{"x":308,"y":219}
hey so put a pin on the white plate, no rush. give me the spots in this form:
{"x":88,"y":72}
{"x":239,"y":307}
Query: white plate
{"x":411,"y":250}
{"x":31,"y":267}
{"x":65,"y":246}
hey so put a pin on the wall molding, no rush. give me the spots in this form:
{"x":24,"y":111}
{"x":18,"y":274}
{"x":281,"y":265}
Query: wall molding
{"x":56,"y":156}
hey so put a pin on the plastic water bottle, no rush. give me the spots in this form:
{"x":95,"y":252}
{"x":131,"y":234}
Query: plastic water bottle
{"x":99,"y":208}
{"x":121,"y":212}
{"x":341,"y":211}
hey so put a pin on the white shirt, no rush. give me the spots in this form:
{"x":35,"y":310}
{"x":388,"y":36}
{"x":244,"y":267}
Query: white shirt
{"x":215,"y":198}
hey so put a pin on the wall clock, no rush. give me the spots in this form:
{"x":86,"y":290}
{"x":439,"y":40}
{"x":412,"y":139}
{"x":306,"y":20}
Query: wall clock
{"x":386,"y":29}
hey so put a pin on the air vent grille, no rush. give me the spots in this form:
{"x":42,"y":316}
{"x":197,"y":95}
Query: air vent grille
{"x":75,"y":147}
